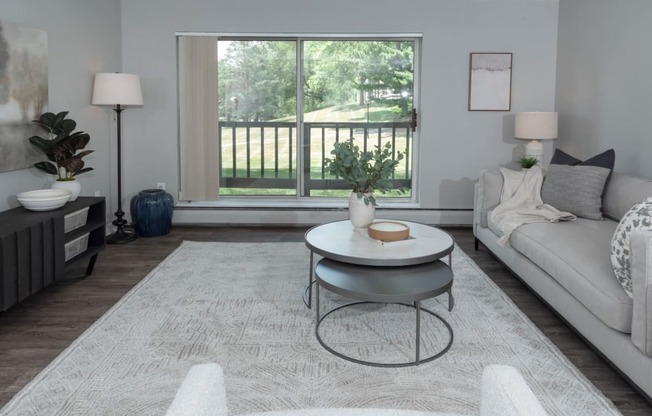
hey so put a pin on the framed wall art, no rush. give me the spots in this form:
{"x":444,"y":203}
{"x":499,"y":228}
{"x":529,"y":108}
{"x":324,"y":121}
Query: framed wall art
{"x":23,"y":92}
{"x":490,"y":81}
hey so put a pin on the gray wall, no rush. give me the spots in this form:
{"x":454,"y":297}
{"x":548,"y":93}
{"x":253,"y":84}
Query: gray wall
{"x":455,"y":144}
{"x":88,"y":36}
{"x":603,"y":81}
{"x":83,"y":38}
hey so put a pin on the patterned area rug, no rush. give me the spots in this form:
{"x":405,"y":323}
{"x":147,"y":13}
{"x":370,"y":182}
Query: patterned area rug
{"x":238,"y":304}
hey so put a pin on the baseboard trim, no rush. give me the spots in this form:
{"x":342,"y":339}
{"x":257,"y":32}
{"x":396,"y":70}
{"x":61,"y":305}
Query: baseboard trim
{"x":307,"y":217}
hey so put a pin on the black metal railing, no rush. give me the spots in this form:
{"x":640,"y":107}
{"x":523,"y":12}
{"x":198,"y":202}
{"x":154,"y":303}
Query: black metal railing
{"x":244,"y":149}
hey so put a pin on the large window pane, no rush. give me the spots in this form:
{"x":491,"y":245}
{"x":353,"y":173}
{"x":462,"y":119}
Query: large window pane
{"x":257,"y":99}
{"x":360,"y":91}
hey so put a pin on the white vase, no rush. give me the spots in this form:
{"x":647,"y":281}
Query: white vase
{"x":360,"y":214}
{"x":73,"y":186}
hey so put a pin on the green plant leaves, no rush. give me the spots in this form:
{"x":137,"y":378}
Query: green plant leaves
{"x":47,"y":167}
{"x":365,"y":171}
{"x":527,"y":162}
{"x":62,"y":149}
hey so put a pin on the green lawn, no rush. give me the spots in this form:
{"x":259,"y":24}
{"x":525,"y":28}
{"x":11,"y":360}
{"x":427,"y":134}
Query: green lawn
{"x":262,"y":146}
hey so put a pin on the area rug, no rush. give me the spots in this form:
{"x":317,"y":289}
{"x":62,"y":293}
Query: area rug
{"x":238,"y":304}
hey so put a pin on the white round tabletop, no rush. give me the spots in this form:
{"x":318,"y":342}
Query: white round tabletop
{"x":338,"y":241}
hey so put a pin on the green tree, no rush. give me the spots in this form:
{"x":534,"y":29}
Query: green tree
{"x":256,"y":80}
{"x":368,"y":69}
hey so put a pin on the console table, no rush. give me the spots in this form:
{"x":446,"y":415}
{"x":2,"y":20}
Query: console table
{"x":33,"y":247}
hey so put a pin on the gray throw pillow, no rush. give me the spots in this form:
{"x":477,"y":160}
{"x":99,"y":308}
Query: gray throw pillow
{"x":575,"y":189}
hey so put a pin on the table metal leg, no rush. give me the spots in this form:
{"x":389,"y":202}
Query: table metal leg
{"x":307,"y":292}
{"x":317,"y":308}
{"x":417,"y":306}
{"x":310,"y":279}
{"x":451,"y":300}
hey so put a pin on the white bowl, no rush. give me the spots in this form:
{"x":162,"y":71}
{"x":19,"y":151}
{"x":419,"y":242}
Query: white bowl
{"x":44,"y":199}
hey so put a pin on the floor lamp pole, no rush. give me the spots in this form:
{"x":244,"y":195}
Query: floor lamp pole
{"x":120,"y":236}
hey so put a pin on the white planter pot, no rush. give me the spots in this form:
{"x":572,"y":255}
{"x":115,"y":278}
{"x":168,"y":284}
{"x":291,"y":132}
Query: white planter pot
{"x":361,"y":215}
{"x":73,"y":186}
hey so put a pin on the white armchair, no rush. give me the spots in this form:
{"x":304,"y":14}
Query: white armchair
{"x":504,"y":393}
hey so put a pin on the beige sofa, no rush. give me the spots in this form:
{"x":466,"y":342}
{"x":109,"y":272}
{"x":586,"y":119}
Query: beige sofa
{"x":567,"y":264}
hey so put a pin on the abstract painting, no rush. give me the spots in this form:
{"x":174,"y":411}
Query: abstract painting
{"x":490,"y":82}
{"x":23,"y":92}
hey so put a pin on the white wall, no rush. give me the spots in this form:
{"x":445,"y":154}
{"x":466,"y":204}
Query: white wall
{"x":83,"y":38}
{"x":603,"y":81}
{"x":456,"y":144}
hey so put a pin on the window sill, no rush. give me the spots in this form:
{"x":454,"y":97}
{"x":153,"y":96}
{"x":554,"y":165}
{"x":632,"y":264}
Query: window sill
{"x":286,"y":204}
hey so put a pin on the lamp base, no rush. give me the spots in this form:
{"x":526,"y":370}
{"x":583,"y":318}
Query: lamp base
{"x":121,"y":236}
{"x":534,"y":149}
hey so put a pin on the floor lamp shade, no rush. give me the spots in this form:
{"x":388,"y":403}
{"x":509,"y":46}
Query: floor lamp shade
{"x":536,"y":126}
{"x":118,"y":90}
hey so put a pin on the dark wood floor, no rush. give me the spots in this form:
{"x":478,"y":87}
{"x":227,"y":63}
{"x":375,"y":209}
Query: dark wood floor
{"x":34,"y":332}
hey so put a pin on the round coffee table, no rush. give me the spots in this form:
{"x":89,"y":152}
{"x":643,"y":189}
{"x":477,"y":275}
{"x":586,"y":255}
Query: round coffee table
{"x":406,"y":286}
{"x":358,"y":267}
{"x":338,"y":241}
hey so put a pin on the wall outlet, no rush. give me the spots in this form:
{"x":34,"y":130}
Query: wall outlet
{"x":97,"y":193}
{"x":160,"y":185}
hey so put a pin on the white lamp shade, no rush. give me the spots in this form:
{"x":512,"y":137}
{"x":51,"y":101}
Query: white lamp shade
{"x":117,"y":88}
{"x":536,"y":125}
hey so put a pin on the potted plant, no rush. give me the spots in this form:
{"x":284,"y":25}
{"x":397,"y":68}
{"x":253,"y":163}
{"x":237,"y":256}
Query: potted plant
{"x":527,"y":162}
{"x":366,"y":172}
{"x":62,"y":148}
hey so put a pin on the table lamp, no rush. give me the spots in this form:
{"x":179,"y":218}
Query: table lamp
{"x":536,"y":126}
{"x":118,"y":90}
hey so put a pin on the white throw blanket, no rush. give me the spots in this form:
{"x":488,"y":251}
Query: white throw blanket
{"x":521,"y":203}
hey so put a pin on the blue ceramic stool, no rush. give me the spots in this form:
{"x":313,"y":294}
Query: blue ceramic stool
{"x":151,"y":212}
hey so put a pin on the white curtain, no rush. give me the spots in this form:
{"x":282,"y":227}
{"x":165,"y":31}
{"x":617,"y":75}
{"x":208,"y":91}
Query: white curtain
{"x":198,"y":118}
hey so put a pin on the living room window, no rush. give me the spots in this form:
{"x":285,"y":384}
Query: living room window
{"x":258,"y":114}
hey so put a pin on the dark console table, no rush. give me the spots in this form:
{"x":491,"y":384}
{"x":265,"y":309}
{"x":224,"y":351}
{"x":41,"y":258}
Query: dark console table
{"x":33,"y":246}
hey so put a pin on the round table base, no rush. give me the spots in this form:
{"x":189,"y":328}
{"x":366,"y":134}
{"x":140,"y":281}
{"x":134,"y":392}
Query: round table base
{"x":417,"y":361}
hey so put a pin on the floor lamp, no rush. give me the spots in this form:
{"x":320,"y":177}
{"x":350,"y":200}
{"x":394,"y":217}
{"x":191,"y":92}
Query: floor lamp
{"x":118,"y":90}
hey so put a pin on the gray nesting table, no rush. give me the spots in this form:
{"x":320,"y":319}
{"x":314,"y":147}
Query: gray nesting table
{"x":356,"y":267}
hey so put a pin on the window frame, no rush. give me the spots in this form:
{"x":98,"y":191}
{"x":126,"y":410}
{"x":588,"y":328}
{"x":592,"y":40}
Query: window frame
{"x":299,"y":200}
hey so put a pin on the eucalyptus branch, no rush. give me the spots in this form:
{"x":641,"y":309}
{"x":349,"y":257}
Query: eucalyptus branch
{"x":365,"y":171}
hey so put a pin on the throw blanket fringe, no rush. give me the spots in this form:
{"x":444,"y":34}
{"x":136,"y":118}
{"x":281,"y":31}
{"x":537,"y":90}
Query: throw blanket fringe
{"x":521,"y":203}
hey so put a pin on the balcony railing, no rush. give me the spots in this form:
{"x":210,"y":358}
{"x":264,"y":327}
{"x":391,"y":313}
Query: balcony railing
{"x":262,"y":154}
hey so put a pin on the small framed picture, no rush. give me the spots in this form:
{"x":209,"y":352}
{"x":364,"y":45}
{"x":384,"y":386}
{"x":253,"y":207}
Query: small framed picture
{"x":490,"y":81}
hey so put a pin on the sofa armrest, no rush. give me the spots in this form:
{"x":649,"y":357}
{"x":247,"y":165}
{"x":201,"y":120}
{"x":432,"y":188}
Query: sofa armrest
{"x":505,"y":393}
{"x":641,"y":248}
{"x":202,"y":393}
{"x":487,"y":196}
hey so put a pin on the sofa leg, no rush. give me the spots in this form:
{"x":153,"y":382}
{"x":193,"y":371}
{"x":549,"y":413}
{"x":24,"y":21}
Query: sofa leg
{"x":475,"y":243}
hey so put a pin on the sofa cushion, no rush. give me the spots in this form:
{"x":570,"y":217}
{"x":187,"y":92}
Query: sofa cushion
{"x":576,"y":255}
{"x":575,"y":189}
{"x":638,"y":218}
{"x":622,"y":192}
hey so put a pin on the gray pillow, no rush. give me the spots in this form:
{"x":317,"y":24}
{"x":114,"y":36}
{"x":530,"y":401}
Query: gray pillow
{"x":575,"y":189}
